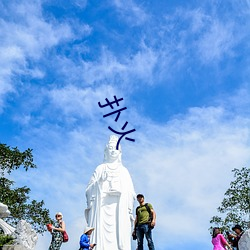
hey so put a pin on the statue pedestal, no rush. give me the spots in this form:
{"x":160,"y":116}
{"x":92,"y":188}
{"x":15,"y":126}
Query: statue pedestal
{"x":13,"y":247}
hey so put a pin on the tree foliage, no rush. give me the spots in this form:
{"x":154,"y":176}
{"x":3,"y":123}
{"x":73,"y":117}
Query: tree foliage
{"x":235,"y":206}
{"x":17,"y":199}
{"x":11,"y":159}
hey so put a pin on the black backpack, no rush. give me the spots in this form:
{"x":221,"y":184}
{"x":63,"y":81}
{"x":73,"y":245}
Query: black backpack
{"x":150,"y":218}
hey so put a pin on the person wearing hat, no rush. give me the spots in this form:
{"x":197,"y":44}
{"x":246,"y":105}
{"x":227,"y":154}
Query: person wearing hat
{"x":239,"y":231}
{"x":84,"y":240}
{"x":56,"y":231}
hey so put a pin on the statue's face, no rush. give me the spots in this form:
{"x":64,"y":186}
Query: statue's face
{"x":113,"y":154}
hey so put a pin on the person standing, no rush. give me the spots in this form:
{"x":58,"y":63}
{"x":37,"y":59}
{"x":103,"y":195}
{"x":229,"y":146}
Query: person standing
{"x":85,"y":239}
{"x":143,"y":225}
{"x":218,"y":240}
{"x":56,"y":231}
{"x":239,"y":231}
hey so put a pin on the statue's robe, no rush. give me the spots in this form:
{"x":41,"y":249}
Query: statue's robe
{"x":244,"y":242}
{"x":110,"y":197}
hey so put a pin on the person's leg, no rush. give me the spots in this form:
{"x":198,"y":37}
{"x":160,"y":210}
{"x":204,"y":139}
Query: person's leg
{"x":140,"y":231}
{"x":51,"y":247}
{"x":148,"y":234}
{"x":57,"y":244}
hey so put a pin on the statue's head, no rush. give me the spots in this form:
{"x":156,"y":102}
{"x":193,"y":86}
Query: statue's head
{"x":111,"y":154}
{"x":4,"y":211}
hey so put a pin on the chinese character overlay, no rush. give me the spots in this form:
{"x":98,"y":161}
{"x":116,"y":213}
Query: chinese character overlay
{"x":118,"y":113}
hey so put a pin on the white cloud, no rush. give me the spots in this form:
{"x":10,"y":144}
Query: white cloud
{"x":122,"y":71}
{"x":80,"y":102}
{"x":143,"y":63}
{"x":240,"y":100}
{"x":198,"y":33}
{"x":217,"y":42}
{"x":198,"y":19}
{"x":105,"y":69}
{"x":10,"y":58}
{"x":183,"y":168}
{"x":131,"y":12}
{"x":31,"y":33}
{"x":187,"y":168}
{"x":80,"y":3}
{"x":25,"y":35}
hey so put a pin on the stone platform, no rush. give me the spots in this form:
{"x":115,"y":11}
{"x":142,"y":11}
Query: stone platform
{"x":13,"y":247}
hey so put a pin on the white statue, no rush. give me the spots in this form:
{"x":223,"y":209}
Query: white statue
{"x":4,"y":212}
{"x":25,"y":235}
{"x":244,"y":242}
{"x":110,"y":197}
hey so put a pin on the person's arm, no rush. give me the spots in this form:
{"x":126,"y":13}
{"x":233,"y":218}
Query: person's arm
{"x":92,"y":246}
{"x":60,"y":229}
{"x":154,"y":217}
{"x":84,"y":242}
{"x":232,"y":235}
{"x":229,"y":246}
{"x":224,"y":242}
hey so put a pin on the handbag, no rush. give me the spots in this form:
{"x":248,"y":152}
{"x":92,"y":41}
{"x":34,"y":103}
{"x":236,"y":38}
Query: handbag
{"x":65,"y":236}
{"x":49,"y":227}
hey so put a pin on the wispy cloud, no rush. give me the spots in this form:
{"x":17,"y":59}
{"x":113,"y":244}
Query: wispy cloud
{"x":80,"y":102}
{"x":106,"y":68}
{"x":121,"y":70}
{"x":217,"y":42}
{"x":131,"y":12}
{"x":80,"y":3}
{"x":190,"y":158}
{"x":23,"y":38}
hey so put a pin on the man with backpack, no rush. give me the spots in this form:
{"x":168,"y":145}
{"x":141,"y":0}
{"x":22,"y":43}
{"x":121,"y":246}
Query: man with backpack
{"x":144,"y":223}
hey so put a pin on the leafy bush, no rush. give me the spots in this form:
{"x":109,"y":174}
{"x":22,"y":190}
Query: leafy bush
{"x":6,"y":240}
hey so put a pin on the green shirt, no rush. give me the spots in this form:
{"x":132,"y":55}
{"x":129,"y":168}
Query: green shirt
{"x":142,"y":214}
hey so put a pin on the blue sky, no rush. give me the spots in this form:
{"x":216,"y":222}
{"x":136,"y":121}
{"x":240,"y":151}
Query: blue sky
{"x":182,"y":68}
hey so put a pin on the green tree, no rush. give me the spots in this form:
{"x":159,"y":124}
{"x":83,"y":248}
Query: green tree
{"x":235,"y":207}
{"x":17,"y":199}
